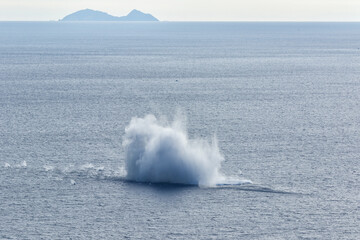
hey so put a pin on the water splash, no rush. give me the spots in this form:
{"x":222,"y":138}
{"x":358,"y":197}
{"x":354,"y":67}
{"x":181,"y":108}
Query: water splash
{"x":161,"y":152}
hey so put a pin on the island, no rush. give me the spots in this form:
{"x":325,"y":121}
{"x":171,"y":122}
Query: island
{"x":93,"y":15}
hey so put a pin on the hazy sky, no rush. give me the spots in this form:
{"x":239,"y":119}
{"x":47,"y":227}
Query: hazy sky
{"x":190,"y":10}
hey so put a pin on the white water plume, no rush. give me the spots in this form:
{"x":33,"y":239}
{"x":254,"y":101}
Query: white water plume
{"x":159,"y":152}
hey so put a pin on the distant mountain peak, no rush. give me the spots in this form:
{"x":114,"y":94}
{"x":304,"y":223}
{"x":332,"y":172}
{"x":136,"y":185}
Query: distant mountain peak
{"x":94,"y":15}
{"x":134,"y":11}
{"x":136,"y":14}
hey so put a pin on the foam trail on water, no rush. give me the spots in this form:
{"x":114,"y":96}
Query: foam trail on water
{"x":160,"y":152}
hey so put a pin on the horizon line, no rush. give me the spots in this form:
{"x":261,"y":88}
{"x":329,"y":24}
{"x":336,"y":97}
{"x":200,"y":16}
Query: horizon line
{"x":199,"y":21}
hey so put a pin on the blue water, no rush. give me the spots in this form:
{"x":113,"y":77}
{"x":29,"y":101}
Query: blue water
{"x":280,"y":100}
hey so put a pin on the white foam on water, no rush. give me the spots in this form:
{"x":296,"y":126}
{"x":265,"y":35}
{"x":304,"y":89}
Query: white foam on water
{"x":23,"y":164}
{"x":88,"y":170}
{"x":48,"y":168}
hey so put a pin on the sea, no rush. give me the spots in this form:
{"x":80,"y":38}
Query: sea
{"x":179,"y":130}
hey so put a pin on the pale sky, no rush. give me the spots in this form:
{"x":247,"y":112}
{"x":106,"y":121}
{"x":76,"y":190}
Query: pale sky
{"x":189,"y":10}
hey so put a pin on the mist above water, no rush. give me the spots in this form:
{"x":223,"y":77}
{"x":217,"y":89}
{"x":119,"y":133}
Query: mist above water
{"x":161,"y":152}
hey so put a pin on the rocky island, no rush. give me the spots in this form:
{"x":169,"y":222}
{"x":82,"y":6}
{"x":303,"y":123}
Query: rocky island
{"x":93,"y":15}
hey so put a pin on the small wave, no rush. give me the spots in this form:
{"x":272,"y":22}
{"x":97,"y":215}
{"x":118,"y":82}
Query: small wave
{"x":251,"y":187}
{"x":233,"y":182}
{"x":87,"y":170}
{"x":48,"y":168}
{"x":23,"y":164}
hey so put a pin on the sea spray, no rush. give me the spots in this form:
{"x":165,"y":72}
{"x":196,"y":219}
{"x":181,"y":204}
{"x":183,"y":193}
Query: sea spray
{"x":160,"y":152}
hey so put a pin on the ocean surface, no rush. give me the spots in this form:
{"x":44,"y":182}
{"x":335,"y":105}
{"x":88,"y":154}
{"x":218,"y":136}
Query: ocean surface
{"x":176,"y":130}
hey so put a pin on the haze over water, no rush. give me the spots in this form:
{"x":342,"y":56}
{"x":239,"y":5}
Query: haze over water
{"x":272,"y":107}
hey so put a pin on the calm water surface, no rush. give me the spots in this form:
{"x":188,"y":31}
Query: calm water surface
{"x":283,"y":100}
